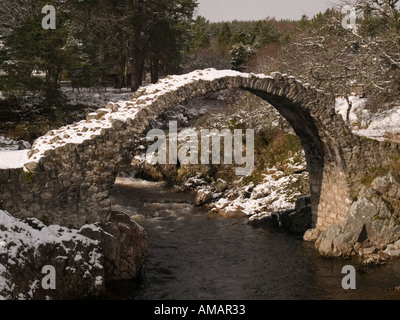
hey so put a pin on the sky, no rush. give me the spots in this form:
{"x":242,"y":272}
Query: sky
{"x":226,"y":10}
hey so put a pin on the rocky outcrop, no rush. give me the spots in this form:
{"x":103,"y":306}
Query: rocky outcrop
{"x":124,"y":244}
{"x":54,"y":262}
{"x":372,"y":229}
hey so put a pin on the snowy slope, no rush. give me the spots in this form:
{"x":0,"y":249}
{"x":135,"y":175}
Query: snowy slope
{"x":379,"y":126}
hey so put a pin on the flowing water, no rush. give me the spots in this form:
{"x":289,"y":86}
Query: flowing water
{"x":195,"y":256}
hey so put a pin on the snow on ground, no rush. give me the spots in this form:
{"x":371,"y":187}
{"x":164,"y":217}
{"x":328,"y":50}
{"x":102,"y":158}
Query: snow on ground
{"x":380,"y":126}
{"x":34,"y":238}
{"x":276,"y":193}
{"x":13,"y":159}
{"x":13,"y":154}
{"x":95,"y":97}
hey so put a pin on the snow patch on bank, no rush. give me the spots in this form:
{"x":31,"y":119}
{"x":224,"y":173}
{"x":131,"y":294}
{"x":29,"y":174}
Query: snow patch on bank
{"x":13,"y":154}
{"x":380,"y":126}
{"x":13,"y":159}
{"x":95,"y":97}
{"x":275,"y":194}
{"x":11,"y":241}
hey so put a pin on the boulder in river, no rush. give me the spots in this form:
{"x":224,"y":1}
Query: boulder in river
{"x":203,"y":196}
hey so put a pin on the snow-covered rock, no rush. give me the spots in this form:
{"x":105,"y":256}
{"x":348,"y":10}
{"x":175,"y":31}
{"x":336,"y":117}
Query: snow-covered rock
{"x":26,"y":247}
{"x":275,"y":194}
{"x":7,"y":144}
{"x":82,"y":260}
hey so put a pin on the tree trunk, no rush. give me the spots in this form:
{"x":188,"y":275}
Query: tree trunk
{"x":137,"y":69}
{"x":154,"y":69}
{"x":350,"y":106}
{"x":137,"y":46}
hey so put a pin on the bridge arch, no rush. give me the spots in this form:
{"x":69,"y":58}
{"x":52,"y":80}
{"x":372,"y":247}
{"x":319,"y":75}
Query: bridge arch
{"x":71,"y":170}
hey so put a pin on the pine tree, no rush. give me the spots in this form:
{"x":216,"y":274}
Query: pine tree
{"x":29,"y":48}
{"x":224,"y":36}
{"x":200,"y":34}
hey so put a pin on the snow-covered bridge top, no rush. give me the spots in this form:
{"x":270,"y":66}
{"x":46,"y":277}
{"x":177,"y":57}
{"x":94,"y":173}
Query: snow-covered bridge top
{"x":122,"y":111}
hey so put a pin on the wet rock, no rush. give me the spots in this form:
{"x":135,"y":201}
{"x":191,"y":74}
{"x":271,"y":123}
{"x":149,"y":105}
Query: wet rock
{"x":296,"y":221}
{"x":231,"y":213}
{"x":376,"y":259}
{"x":220,"y":185}
{"x":269,"y":221}
{"x":303,"y":202}
{"x":203,"y":197}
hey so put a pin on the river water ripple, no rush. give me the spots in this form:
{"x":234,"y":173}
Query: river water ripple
{"x":193,"y":256}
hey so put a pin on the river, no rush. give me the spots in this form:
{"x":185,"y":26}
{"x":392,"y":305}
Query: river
{"x":193,"y":256}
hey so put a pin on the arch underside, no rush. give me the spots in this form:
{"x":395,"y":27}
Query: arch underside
{"x":329,"y":190}
{"x":305,"y":128}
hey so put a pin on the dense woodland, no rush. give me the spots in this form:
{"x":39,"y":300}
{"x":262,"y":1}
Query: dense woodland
{"x":126,"y":43}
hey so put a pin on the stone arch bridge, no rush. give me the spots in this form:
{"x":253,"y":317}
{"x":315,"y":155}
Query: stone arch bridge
{"x":70,"y":171}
